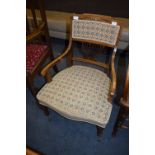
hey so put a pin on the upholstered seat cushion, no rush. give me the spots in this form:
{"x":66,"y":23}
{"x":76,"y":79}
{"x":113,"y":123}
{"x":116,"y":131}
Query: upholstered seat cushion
{"x":34,"y":53}
{"x":79,"y":93}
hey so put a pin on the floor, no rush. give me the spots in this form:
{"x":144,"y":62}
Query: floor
{"x":56,"y":135}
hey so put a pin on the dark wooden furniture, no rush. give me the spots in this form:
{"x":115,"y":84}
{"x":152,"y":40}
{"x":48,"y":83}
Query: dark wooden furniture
{"x":110,"y":29}
{"x":31,"y":152}
{"x":124,"y":107}
{"x":38,"y":45}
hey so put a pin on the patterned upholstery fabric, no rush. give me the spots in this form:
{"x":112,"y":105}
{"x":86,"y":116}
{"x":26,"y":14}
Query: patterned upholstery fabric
{"x":79,"y":93}
{"x":33,"y":54}
{"x":95,"y":31}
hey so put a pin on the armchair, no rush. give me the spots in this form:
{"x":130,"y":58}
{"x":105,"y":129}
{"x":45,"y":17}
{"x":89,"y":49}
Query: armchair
{"x":83,"y":93}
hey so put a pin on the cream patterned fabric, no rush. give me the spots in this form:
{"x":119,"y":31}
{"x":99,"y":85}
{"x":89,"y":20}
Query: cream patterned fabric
{"x":95,"y":31}
{"x":79,"y":93}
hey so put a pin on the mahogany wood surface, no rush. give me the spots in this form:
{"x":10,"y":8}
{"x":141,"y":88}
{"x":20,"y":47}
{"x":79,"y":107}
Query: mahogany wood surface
{"x":31,"y":152}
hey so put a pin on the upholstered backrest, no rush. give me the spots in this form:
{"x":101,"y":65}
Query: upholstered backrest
{"x":95,"y":31}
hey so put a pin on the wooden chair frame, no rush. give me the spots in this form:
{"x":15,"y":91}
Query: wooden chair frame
{"x":124,"y":106}
{"x":69,"y":56}
{"x":38,"y":31}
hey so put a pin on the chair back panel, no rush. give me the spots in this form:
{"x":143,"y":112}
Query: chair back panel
{"x":99,"y":32}
{"x":35,"y":15}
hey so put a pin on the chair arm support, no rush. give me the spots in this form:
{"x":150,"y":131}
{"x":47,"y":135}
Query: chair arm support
{"x":55,"y":61}
{"x":113,"y":76}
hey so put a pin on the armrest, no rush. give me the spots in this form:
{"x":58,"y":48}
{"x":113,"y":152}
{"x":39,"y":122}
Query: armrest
{"x":113,"y":77}
{"x":45,"y":70}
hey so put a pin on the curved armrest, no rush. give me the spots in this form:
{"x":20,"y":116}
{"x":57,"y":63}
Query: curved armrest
{"x":52,"y":63}
{"x":113,"y":76}
{"x":37,"y":32}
